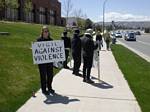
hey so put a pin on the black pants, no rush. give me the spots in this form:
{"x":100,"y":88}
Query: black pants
{"x":77,"y":63}
{"x":46,"y":76}
{"x":100,"y":43}
{"x":87,"y":65}
{"x":66,"y":55}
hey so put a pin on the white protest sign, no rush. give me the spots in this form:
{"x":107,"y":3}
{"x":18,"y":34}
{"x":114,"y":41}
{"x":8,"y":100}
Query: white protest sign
{"x":48,"y":51}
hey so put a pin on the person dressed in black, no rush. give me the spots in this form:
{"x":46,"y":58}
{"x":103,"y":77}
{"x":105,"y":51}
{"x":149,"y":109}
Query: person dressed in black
{"x":76,"y":51}
{"x":67,"y":45}
{"x":99,"y":40}
{"x":88,"y":47}
{"x":46,"y":69}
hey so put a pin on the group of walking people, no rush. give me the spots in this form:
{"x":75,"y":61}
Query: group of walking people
{"x":76,"y":44}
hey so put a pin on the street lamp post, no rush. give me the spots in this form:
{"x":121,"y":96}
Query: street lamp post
{"x":104,"y":15}
{"x":103,"y":36}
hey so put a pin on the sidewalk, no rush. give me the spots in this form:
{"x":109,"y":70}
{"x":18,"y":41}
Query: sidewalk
{"x":112,"y":94}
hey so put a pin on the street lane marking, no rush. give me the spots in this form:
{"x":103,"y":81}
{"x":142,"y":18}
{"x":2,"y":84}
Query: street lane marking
{"x":146,"y":57}
{"x":146,"y":43}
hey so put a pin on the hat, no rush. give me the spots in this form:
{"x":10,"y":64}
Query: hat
{"x":98,"y":32}
{"x":106,"y":31}
{"x":65,"y":32}
{"x":76,"y":31}
{"x":89,"y":32}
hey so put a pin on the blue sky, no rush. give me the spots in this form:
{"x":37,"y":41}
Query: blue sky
{"x":117,"y":10}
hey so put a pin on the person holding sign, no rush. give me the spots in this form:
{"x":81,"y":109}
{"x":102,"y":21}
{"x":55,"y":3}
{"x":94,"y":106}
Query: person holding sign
{"x":46,"y":69}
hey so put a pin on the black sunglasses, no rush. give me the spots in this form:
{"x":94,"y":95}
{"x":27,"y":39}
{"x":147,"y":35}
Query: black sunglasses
{"x":46,"y":31}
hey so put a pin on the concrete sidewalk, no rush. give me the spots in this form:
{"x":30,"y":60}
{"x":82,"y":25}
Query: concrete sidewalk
{"x":112,"y":94}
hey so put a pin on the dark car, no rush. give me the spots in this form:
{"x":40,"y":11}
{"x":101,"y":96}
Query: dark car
{"x":130,"y":36}
{"x":137,"y":33}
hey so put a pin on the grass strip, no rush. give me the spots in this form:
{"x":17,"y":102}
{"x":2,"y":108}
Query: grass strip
{"x":137,"y":72}
{"x":18,"y":76}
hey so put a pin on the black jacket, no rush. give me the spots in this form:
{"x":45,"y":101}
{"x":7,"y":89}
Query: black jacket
{"x":88,"y":46}
{"x":43,"y":39}
{"x":67,"y":42}
{"x":76,"y":45}
{"x":98,"y":37}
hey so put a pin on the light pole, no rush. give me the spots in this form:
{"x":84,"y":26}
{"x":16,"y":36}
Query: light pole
{"x":98,"y":64}
{"x":104,"y":15}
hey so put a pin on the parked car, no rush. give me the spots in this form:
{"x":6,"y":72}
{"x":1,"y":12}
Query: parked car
{"x":112,"y":34}
{"x":137,"y":33}
{"x":118,"y":35}
{"x":130,"y":36}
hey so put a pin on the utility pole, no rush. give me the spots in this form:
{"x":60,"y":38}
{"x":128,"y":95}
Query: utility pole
{"x":104,"y":15}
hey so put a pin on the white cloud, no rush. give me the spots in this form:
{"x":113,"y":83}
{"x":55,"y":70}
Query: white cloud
{"x":115,"y":16}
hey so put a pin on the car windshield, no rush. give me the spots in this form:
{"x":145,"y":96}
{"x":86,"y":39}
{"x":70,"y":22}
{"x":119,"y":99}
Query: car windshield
{"x":131,"y":34}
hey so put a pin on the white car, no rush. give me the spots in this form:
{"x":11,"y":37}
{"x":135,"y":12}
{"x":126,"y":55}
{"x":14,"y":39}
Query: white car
{"x":118,"y":35}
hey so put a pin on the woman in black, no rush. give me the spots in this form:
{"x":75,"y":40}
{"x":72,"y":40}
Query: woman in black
{"x":46,"y":69}
{"x":99,"y":40}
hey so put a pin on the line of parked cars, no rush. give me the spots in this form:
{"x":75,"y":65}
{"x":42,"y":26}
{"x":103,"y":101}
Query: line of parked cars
{"x":128,"y":35}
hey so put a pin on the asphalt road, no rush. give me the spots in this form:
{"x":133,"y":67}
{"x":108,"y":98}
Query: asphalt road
{"x":142,"y":44}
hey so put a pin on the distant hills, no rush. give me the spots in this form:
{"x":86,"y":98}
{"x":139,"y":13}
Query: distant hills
{"x":127,"y":24}
{"x":132,"y":24}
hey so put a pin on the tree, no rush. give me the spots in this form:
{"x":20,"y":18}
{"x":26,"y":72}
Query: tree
{"x":98,"y":27}
{"x":2,"y":4}
{"x":147,"y":30}
{"x":28,"y":7}
{"x":12,"y":4}
{"x":88,"y":23}
{"x":68,"y":6}
{"x":78,"y":15}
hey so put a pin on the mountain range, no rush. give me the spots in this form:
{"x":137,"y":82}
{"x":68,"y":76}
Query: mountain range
{"x":131,"y":24}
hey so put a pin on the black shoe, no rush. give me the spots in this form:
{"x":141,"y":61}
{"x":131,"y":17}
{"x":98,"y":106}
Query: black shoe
{"x":73,"y":73}
{"x":84,"y":80}
{"x":66,"y":67}
{"x":45,"y":92}
{"x":78,"y":74}
{"x":89,"y":81}
{"x":51,"y":91}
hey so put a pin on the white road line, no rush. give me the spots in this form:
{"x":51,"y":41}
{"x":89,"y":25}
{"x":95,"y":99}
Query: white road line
{"x":145,"y":43}
{"x":146,"y":57}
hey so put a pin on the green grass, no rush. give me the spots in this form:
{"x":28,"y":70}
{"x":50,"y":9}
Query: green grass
{"x":137,"y":72}
{"x":18,"y":76}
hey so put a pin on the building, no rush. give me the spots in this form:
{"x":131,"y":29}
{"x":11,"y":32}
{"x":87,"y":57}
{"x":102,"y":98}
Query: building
{"x":43,"y":12}
{"x":63,"y":21}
